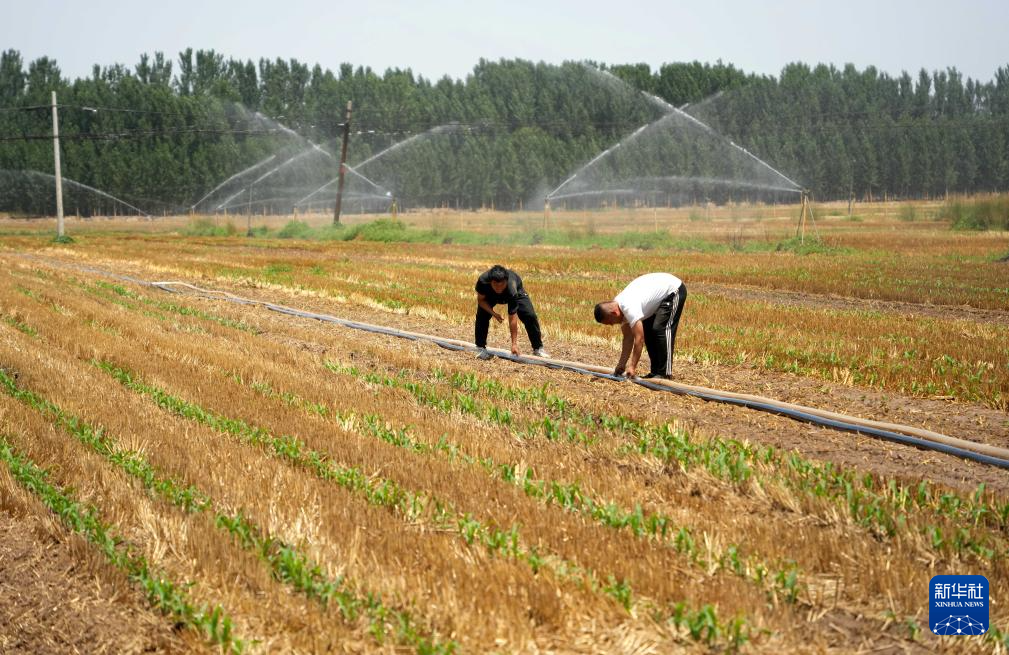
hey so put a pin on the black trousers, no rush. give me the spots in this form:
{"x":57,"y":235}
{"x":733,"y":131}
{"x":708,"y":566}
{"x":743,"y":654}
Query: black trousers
{"x":526,"y":314}
{"x":660,"y":331}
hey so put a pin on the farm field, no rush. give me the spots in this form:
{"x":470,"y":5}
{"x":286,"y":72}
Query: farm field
{"x":204,"y":475}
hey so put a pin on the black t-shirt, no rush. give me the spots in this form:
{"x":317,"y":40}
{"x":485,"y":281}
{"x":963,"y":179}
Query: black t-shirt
{"x":513,"y":291}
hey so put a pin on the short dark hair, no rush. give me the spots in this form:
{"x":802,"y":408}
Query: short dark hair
{"x":497,"y":273}
{"x":600,"y":313}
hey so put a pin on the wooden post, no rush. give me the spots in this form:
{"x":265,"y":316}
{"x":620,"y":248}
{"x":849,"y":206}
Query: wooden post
{"x":248,"y":215}
{"x":800,"y":230}
{"x":57,"y":171}
{"x":343,"y":166}
{"x":851,"y":191}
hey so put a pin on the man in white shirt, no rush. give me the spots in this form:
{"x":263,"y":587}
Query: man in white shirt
{"x":648,"y":311}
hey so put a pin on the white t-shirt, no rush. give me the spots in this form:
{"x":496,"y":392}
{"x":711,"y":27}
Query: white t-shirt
{"x":642,"y":297}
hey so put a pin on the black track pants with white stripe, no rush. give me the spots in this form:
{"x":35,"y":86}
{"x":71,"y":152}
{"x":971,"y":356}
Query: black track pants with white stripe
{"x":660,"y":331}
{"x":526,"y":314}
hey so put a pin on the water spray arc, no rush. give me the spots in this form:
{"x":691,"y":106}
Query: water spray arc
{"x":672,"y":109}
{"x":378,"y":187}
{"x":796,"y":187}
{"x":439,"y":129}
{"x":447,"y":127}
{"x":383,"y":192}
{"x":107,"y":195}
{"x":280,"y":126}
{"x":304,"y":153}
{"x":360,"y":197}
{"x":311,"y":147}
{"x":84,"y":187}
{"x":595,"y":192}
{"x":233,"y":202}
{"x":716,"y":181}
{"x":233,"y":177}
{"x":595,"y":159}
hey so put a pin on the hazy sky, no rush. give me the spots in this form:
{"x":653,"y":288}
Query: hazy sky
{"x":449,"y":36}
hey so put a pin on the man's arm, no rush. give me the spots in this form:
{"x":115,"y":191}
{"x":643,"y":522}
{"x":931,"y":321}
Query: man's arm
{"x":625,"y":349}
{"x":634,"y":340}
{"x":513,"y":327}
{"x":481,"y":300}
{"x":638,"y":336}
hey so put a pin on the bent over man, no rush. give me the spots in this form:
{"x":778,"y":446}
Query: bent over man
{"x":648,"y":311}
{"x":501,"y":286}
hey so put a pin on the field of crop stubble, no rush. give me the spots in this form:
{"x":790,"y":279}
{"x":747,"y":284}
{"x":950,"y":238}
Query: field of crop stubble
{"x":183,"y":473}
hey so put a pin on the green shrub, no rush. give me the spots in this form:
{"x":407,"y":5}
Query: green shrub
{"x":204,"y":227}
{"x":384,"y":229}
{"x":294,"y":230}
{"x":807,"y":246}
{"x":338,"y":232}
{"x":991,"y":213}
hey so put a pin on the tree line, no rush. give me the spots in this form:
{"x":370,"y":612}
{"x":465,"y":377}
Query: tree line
{"x":164,"y":133}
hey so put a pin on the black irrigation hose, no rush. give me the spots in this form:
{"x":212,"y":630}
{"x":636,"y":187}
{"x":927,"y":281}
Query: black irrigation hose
{"x":790,"y":413}
{"x":888,"y":435}
{"x":750,"y":404}
{"x":451,"y":344}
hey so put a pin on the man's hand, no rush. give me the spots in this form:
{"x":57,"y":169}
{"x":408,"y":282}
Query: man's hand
{"x":497,"y":317}
{"x":630,"y":371}
{"x":618,"y":371}
{"x":515,"y":350}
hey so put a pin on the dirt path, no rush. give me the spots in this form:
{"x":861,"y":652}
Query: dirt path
{"x":54,"y":600}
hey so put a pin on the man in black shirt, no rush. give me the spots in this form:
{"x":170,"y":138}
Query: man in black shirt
{"x":501,"y":286}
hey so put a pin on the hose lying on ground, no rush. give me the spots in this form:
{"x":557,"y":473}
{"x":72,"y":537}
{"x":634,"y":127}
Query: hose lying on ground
{"x":908,"y":435}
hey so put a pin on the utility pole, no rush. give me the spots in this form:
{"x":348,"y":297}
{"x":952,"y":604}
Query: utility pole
{"x":343,"y":166}
{"x":57,"y":173}
{"x":248,"y":214}
{"x":851,"y":188}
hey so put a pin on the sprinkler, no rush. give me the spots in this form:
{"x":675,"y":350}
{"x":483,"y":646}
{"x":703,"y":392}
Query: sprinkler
{"x":805,"y":208}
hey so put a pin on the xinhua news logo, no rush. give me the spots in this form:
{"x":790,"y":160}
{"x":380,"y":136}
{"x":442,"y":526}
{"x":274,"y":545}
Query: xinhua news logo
{"x":958,"y":605}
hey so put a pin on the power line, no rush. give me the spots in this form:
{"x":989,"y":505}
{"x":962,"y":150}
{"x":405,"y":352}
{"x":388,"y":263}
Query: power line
{"x":26,"y":108}
{"x":127,"y":110}
{"x":110,"y":136}
{"x":486,"y":128}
